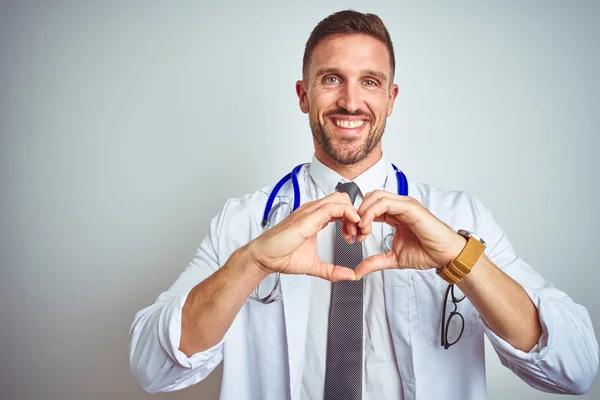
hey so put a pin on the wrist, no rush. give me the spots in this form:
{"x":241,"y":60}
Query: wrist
{"x":252,"y":262}
{"x":456,"y":248}
{"x":468,"y":250}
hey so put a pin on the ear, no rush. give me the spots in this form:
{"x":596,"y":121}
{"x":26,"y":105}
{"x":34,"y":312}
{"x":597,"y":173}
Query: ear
{"x":302,"y":96}
{"x":393,"y":93}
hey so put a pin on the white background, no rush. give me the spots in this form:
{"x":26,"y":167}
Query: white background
{"x":124,"y":127}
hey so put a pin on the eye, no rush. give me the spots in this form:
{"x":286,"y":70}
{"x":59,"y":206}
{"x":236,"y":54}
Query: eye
{"x":330,"y":80}
{"x":370,"y":82}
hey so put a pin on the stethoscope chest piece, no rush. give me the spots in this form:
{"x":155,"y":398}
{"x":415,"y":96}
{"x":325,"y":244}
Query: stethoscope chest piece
{"x":388,"y":241}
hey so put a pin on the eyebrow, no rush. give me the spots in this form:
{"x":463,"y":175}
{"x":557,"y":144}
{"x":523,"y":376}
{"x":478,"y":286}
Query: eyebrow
{"x":365,"y":72}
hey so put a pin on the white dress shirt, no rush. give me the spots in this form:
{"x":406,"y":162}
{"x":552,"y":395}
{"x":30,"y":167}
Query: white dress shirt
{"x":381,"y":378}
{"x":265,"y":350}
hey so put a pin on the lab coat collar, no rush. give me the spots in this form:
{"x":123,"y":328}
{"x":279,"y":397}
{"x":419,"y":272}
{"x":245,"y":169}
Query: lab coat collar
{"x":327,"y":179}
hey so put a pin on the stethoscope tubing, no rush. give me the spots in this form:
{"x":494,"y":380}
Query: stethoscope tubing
{"x":294,"y":177}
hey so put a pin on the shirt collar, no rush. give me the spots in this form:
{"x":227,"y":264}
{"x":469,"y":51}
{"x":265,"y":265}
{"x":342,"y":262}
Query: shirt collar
{"x":371,"y":179}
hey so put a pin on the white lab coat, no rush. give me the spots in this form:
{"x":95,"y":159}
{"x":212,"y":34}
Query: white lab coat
{"x":263,"y":351}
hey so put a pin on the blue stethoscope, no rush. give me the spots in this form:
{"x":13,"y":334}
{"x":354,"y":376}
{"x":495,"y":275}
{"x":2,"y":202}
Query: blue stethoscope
{"x":293,"y":175}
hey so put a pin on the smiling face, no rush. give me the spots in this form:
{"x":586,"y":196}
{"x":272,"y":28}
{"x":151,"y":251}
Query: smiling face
{"x":348,"y":93}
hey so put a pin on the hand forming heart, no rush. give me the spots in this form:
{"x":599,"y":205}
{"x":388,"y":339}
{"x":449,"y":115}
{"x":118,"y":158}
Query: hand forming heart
{"x":421,"y":241}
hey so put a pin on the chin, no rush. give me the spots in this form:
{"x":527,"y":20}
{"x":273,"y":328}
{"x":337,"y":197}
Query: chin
{"x":347,"y":157}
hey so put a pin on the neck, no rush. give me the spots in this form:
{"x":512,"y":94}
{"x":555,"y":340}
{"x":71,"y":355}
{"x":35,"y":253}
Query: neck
{"x":350,"y":171}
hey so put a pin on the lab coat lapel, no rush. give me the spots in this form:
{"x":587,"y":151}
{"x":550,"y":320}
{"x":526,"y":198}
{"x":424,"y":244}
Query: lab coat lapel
{"x":296,"y":296}
{"x":397,"y":289}
{"x":399,"y":298}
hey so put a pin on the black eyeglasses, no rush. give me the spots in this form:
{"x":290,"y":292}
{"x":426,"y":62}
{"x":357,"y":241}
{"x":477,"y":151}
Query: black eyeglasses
{"x":452,"y":328}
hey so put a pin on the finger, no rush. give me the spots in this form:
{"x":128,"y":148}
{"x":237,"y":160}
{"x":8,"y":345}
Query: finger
{"x":361,"y":237}
{"x":370,"y":198}
{"x":347,"y":229}
{"x":365,"y":230}
{"x":406,"y":211}
{"x":337,"y":211}
{"x":362,"y":233}
{"x":351,"y":228}
{"x":346,"y":235}
{"x":374,"y":263}
{"x":312,"y":206}
{"x":374,"y":196}
{"x":333,"y":272}
{"x":335,"y":197}
{"x":327,"y":213}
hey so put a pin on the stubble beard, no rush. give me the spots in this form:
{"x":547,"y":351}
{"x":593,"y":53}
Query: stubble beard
{"x":341,"y":154}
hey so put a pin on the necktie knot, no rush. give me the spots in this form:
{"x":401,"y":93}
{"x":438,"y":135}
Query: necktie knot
{"x":349,"y":187}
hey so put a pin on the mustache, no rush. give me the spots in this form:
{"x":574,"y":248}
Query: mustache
{"x":357,"y":113}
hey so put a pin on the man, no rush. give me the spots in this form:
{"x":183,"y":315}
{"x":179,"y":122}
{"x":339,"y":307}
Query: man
{"x":393,"y":324}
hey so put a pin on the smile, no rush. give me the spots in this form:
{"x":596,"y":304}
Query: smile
{"x":349,"y":124}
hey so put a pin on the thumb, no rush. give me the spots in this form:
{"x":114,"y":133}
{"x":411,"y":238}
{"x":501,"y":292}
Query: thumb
{"x":333,"y":272}
{"x":374,"y":263}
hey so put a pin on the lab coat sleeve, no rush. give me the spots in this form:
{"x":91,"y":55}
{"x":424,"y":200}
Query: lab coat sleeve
{"x":565,"y":359}
{"x":154,"y":355}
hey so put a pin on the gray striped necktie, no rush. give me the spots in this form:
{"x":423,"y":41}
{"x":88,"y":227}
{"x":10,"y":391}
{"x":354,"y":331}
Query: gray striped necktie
{"x":343,"y":367}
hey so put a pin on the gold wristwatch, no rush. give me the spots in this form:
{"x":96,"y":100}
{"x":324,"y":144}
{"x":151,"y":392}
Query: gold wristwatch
{"x":457,"y":269}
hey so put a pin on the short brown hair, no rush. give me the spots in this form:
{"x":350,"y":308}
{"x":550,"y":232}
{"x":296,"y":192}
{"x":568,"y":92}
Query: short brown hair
{"x":348,"y":22}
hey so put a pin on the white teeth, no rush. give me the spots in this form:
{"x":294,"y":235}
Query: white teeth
{"x":349,"y":124}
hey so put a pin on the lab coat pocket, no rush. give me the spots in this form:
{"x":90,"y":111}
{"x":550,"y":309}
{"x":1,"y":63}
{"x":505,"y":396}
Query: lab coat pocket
{"x":429,"y":292}
{"x":399,"y":317}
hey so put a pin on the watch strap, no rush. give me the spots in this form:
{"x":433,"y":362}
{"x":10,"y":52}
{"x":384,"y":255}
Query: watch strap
{"x":457,"y":269}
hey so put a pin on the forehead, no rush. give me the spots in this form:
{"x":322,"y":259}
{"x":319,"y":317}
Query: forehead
{"x":351,"y":53}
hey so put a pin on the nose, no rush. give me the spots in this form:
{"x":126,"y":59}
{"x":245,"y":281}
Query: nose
{"x":349,"y":98}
